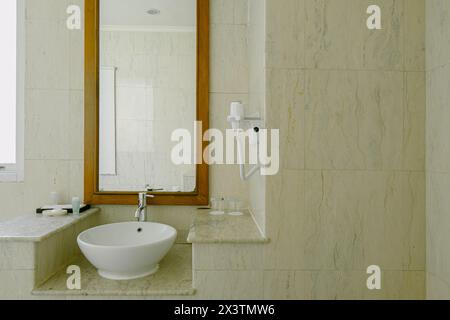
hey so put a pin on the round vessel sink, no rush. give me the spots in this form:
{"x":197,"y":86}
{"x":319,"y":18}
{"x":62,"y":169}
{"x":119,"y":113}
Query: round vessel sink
{"x":125,"y":251}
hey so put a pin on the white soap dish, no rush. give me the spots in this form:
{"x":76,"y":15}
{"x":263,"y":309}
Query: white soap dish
{"x":217,"y":213}
{"x":55,"y":213}
{"x":235,"y":214}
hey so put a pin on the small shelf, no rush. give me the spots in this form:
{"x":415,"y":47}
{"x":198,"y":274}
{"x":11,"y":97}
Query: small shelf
{"x":225,"y":229}
{"x":37,"y":228}
{"x":173,"y":279}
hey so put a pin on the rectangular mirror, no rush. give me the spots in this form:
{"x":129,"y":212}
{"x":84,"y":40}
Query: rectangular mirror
{"x":147,"y":74}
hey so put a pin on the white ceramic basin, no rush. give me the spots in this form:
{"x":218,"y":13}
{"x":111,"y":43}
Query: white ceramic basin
{"x":125,"y":251}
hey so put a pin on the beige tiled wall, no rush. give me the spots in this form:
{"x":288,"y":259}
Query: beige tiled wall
{"x":438,"y":149}
{"x":350,"y":103}
{"x":351,"y":107}
{"x":228,"y":271}
{"x":54,"y":119}
{"x":257,"y":96}
{"x":54,"y":107}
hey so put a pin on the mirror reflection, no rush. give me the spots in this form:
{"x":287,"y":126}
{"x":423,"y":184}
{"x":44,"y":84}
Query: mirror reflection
{"x":147,"y":90}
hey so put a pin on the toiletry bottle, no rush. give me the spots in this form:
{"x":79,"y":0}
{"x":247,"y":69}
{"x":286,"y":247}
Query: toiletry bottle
{"x":76,"y":204}
{"x":54,"y":198}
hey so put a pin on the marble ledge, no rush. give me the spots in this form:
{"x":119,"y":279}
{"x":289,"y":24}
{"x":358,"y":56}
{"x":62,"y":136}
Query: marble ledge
{"x":174,"y":278}
{"x":36,"y":228}
{"x":209,"y":229}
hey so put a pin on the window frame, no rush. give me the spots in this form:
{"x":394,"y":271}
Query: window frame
{"x":15,"y":172}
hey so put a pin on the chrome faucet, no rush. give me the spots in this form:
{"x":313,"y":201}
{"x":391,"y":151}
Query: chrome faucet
{"x":141,"y":212}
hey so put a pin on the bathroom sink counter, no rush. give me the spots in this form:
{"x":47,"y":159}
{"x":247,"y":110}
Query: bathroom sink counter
{"x":211,"y":229}
{"x":37,"y":228}
{"x":174,"y":278}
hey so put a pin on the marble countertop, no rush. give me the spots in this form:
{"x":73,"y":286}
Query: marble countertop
{"x":207,"y":228}
{"x":35,"y":228}
{"x":174,"y":278}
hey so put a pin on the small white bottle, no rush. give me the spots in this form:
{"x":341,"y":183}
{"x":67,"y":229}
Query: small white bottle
{"x":54,"y":198}
{"x":76,"y":205}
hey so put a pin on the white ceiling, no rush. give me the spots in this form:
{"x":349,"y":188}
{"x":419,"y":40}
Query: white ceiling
{"x":174,"y":13}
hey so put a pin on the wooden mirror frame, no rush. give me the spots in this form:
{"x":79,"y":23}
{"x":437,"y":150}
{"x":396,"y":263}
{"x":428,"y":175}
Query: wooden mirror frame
{"x":92,"y":195}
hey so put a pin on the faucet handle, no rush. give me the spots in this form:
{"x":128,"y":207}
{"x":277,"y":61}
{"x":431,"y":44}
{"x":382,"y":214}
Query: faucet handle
{"x":143,"y":197}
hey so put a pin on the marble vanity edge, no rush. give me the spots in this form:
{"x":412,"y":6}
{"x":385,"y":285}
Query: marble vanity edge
{"x":52,"y":231}
{"x":227,"y":233}
{"x":227,"y":241}
{"x":113,"y":293}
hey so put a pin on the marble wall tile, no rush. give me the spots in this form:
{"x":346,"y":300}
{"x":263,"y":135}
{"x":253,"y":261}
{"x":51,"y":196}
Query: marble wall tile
{"x":351,"y":285}
{"x":400,"y":285}
{"x":384,"y":49}
{"x":333,"y":35}
{"x":339,"y":199}
{"x":229,"y":11}
{"x":47,"y":55}
{"x":16,"y":256}
{"x":75,"y":125}
{"x":341,"y":285}
{"x":241,"y":11}
{"x":46,"y":124}
{"x":286,"y":112}
{"x":415,"y":28}
{"x":76,"y":65}
{"x":438,"y":120}
{"x":227,"y":257}
{"x":437,"y":289}
{"x":317,"y":285}
{"x":57,"y":251}
{"x":257,"y":57}
{"x":45,"y":10}
{"x":354,"y":120}
{"x":285,"y":202}
{"x":285,"y":38}
{"x":178,"y":217}
{"x":257,"y":199}
{"x":12,"y":199}
{"x":226,"y":182}
{"x":394,"y":227}
{"x":438,"y":222}
{"x":52,"y":254}
{"x":337,"y":36}
{"x":229,"y":58}
{"x":16,"y":284}
{"x":229,"y":285}
{"x":281,"y":285}
{"x":313,"y":285}
{"x":131,"y":103}
{"x":346,"y":221}
{"x":43,"y":177}
{"x":222,"y":11}
{"x":438,"y":149}
{"x":437,"y":36}
{"x":414,"y":134}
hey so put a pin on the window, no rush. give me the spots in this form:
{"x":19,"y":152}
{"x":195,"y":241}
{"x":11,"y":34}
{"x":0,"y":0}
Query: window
{"x":12,"y":65}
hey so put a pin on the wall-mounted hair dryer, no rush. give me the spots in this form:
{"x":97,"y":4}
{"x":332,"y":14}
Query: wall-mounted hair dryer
{"x":240,"y":122}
